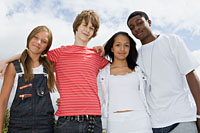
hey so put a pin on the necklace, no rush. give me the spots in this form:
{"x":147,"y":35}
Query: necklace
{"x":151,"y":65}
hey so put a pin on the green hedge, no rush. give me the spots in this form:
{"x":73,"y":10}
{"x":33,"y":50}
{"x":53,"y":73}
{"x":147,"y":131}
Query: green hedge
{"x":5,"y":129}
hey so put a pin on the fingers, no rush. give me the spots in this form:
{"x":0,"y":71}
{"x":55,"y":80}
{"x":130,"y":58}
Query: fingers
{"x":2,"y":73}
{"x":58,"y":102}
{"x":102,"y":53}
{"x":99,"y":49}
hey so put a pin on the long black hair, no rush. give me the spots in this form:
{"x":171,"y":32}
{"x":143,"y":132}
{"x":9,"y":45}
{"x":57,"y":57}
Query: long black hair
{"x":133,"y":54}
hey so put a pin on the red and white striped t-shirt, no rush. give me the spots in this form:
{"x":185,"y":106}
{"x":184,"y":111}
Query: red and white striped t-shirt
{"x":76,"y":71}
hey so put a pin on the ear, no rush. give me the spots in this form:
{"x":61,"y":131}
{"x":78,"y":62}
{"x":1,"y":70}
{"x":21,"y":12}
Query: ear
{"x":149,"y":21}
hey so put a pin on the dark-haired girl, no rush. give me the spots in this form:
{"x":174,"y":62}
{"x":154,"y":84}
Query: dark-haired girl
{"x":121,"y":87}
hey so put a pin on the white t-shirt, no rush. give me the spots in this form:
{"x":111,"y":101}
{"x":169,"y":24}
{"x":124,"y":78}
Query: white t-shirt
{"x":166,"y":61}
{"x":124,"y":93}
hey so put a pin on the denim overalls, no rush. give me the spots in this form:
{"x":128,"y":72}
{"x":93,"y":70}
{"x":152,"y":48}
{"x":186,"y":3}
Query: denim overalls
{"x":31,"y":110}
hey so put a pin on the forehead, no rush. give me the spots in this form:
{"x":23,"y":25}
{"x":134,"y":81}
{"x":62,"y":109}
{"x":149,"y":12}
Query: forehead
{"x":88,"y":23}
{"x":135,"y":19}
{"x":121,"y":38}
{"x":42,"y":34}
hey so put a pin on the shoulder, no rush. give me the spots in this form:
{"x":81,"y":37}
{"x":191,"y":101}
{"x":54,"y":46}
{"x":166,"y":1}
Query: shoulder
{"x":58,"y":49}
{"x":10,"y":70}
{"x":138,"y":69}
{"x":140,"y":73}
{"x":172,"y":37}
{"x":106,"y":69}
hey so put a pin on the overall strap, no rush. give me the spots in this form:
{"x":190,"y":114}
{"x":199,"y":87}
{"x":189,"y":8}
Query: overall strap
{"x":17,"y":66}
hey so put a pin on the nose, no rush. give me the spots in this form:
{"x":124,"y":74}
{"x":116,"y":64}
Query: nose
{"x":38,"y":41}
{"x":87,"y":28}
{"x":122,"y":47}
{"x":137,"y":28}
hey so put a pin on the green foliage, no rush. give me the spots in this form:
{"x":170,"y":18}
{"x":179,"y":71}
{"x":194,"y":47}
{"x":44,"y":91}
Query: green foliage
{"x":5,"y":128}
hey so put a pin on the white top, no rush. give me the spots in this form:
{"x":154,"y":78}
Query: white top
{"x":103,"y":91}
{"x":124,"y":93}
{"x":166,"y":61}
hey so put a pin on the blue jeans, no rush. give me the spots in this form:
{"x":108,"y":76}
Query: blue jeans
{"x":165,"y":129}
{"x":73,"y":126}
{"x":186,"y":127}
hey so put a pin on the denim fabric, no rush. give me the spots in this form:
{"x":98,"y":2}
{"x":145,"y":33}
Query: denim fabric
{"x":18,"y":130}
{"x":165,"y":129}
{"x":72,"y":126}
{"x":186,"y":127}
{"x":33,"y":113}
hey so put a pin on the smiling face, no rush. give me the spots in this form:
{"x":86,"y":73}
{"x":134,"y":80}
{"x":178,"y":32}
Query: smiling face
{"x":121,"y":47}
{"x":38,"y":43}
{"x":140,"y":28}
{"x":84,"y":32}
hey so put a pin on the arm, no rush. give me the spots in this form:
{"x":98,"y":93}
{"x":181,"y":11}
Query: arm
{"x":5,"y":92}
{"x":4,"y":62}
{"x":194,"y":84}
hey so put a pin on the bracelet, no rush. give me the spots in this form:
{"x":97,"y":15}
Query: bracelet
{"x":198,"y":116}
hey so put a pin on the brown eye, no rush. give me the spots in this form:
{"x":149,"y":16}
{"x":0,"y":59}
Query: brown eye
{"x":44,"y":41}
{"x":91,"y":28}
{"x":140,"y":23}
{"x":35,"y":37}
{"x":132,"y":27}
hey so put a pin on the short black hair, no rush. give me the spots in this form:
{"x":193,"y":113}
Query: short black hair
{"x":140,"y":13}
{"x":133,"y":54}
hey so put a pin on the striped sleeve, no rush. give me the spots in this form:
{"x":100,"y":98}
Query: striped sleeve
{"x":102,"y":62}
{"x":53,"y":55}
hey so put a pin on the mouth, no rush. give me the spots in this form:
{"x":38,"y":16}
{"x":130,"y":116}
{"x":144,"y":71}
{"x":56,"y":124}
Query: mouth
{"x":139,"y":33}
{"x":121,"y":53}
{"x":85,"y":34}
{"x":36,"y":46}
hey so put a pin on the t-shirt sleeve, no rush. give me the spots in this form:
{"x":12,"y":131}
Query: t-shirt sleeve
{"x":185,"y":60}
{"x":102,"y":62}
{"x":53,"y":55}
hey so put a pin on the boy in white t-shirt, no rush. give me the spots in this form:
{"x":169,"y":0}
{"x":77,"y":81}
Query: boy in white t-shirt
{"x":169,"y":67}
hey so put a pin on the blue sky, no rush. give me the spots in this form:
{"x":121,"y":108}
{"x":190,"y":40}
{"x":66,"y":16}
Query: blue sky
{"x":19,"y":17}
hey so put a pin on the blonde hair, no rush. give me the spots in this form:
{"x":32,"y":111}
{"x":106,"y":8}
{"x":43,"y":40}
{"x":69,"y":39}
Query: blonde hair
{"x":26,"y":60}
{"x":87,"y":15}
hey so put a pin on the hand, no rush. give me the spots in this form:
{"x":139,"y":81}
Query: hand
{"x":3,"y":66}
{"x":99,"y":49}
{"x":58,"y":102}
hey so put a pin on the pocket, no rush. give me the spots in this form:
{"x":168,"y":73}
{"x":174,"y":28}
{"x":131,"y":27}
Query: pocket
{"x":43,"y":101}
{"x":25,"y":86}
{"x":41,"y":91}
{"x":61,"y":122}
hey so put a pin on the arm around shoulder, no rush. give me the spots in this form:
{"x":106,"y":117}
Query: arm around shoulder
{"x":4,"y":62}
{"x":5,"y":91}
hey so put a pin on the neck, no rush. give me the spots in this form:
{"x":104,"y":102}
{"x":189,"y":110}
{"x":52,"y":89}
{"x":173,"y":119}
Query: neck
{"x":35,"y":59}
{"x":79,"y":42}
{"x":119,"y":63}
{"x":149,"y":39}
